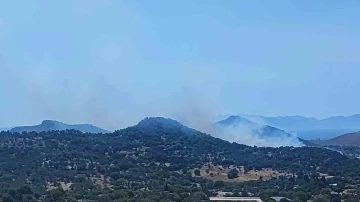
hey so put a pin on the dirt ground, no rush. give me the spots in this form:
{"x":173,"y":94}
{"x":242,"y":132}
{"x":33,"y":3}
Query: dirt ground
{"x":216,"y":173}
{"x":100,"y":181}
{"x":64,"y":186}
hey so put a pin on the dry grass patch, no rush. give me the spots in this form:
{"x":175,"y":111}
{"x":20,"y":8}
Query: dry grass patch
{"x":216,"y":173}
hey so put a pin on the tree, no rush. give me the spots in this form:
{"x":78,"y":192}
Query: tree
{"x":351,"y":200}
{"x":115,"y":176}
{"x":335,"y":198}
{"x":301,"y":195}
{"x":131,"y":194}
{"x":25,"y":189}
{"x":166,"y":187}
{"x":56,"y":194}
{"x":325,"y":191}
{"x":197,"y":172}
{"x":19,"y":197}
{"x":233,"y":173}
{"x":219,"y":184}
{"x":236,"y":193}
{"x":320,"y":198}
{"x":7,"y":198}
{"x":12,"y":193}
{"x":105,"y":198}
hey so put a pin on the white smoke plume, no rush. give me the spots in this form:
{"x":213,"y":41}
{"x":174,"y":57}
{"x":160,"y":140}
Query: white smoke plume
{"x":254,"y":135}
{"x":43,"y":94}
{"x":103,"y":84}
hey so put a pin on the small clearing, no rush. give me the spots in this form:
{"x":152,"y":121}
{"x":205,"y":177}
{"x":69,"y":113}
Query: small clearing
{"x":101,"y":181}
{"x":63,"y":185}
{"x":216,"y":173}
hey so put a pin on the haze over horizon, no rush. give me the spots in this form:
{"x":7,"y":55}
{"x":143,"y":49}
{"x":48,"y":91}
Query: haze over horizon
{"x":112,"y":63}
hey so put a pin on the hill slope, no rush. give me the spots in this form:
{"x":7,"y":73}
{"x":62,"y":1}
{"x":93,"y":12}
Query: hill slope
{"x":240,"y":127}
{"x":49,"y":125}
{"x":349,"y":139}
{"x":154,"y":161}
{"x":147,"y":160}
{"x":311,"y":128}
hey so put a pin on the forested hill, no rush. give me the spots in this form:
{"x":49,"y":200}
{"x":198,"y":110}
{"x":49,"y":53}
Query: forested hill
{"x":154,"y":161}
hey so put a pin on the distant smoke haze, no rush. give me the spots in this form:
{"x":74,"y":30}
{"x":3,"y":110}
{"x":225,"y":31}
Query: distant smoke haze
{"x":47,"y":92}
{"x":254,"y":135}
{"x":111,"y":63}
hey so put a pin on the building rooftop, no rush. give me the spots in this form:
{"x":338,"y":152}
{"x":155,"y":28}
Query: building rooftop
{"x":257,"y":199}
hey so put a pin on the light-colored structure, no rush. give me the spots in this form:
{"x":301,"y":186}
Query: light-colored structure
{"x":278,"y":198}
{"x":244,"y":199}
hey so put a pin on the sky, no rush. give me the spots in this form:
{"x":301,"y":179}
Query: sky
{"x":111,"y":63}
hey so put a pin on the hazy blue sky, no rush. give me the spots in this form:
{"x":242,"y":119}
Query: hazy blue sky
{"x":112,"y":62}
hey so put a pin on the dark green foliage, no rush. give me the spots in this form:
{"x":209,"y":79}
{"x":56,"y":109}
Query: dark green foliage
{"x":151,"y":162}
{"x":233,"y":173}
{"x":7,"y":198}
{"x":24,"y":189}
{"x":335,"y":198}
{"x":351,"y":199}
{"x":320,"y":198}
{"x":301,"y":195}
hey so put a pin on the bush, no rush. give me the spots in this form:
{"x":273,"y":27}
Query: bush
{"x":233,"y":174}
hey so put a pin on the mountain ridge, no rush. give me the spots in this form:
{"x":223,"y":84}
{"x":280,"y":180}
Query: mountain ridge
{"x":348,"y":139}
{"x":49,"y":125}
{"x":260,"y":130}
{"x":309,"y":127}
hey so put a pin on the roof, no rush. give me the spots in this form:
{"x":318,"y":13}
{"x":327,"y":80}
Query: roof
{"x":278,"y":198}
{"x":235,"y":199}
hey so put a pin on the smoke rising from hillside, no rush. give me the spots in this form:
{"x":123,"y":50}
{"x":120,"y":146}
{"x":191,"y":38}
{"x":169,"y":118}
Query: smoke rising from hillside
{"x":46,"y":92}
{"x":254,"y":135}
{"x":111,"y":93}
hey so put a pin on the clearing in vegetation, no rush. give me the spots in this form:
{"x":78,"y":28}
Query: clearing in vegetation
{"x":218,"y":172}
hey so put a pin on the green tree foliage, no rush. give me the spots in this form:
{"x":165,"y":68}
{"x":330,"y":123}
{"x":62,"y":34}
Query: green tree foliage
{"x":301,"y":195}
{"x":233,"y":173}
{"x":197,"y":172}
{"x":351,"y":199}
{"x":25,"y":189}
{"x":320,"y":198}
{"x":152,"y":162}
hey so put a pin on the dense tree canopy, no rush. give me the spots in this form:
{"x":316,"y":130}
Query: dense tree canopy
{"x":152,"y":161}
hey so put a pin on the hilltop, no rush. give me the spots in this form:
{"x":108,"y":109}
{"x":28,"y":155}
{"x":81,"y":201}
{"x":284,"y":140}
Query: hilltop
{"x":49,"y":125}
{"x":310,"y":128}
{"x":158,"y":160}
{"x":241,"y":125}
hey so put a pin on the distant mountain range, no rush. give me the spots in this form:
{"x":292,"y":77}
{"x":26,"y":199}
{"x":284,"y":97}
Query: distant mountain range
{"x":48,"y":125}
{"x":327,"y":131}
{"x":311,"y":128}
{"x":4,"y":129}
{"x":242,"y":125}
